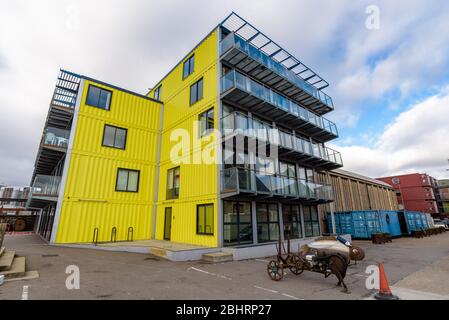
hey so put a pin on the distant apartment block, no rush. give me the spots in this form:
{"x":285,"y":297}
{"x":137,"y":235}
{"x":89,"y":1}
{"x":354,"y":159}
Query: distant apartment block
{"x":415,"y":192}
{"x":443,"y":194}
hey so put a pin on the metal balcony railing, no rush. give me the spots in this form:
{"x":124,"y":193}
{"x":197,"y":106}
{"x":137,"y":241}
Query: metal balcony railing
{"x":241,"y":180}
{"x":55,"y":137}
{"x":237,"y":122}
{"x":234,"y":41}
{"x":45,"y":186}
{"x":234,"y":79}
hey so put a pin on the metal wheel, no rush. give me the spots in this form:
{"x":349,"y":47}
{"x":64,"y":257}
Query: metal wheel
{"x":298,"y":267}
{"x":275,"y":270}
{"x":20,"y":225}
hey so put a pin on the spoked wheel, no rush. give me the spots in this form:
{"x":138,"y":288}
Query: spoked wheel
{"x":297,"y":269}
{"x":275,"y":270}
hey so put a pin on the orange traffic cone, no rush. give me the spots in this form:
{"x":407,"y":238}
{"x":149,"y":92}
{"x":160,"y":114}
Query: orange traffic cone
{"x":384,"y":289}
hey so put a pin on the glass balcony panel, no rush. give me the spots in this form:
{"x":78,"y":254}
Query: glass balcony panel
{"x":307,"y":146}
{"x":303,"y":189}
{"x":316,"y":150}
{"x":274,"y":136}
{"x":244,"y":179}
{"x":255,"y":53}
{"x":241,"y":44}
{"x":263,"y":182}
{"x":241,"y":82}
{"x":227,"y":81}
{"x":228,"y":123}
{"x":227,"y":43}
{"x":56,"y":137}
{"x":229,"y":180}
{"x":45,"y":185}
{"x":241,"y":123}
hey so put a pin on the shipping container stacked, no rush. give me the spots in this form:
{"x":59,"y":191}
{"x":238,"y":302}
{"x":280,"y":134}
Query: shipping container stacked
{"x":415,"y":192}
{"x":272,"y":99}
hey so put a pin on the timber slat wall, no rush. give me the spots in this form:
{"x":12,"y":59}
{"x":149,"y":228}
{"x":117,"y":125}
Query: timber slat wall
{"x":355,"y":194}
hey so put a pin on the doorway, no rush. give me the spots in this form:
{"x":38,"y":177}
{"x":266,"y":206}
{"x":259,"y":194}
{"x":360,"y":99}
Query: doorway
{"x":402,"y":222}
{"x":167,"y":223}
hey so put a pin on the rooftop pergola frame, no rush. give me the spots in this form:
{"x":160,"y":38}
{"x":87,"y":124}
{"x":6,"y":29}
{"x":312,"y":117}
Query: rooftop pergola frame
{"x":241,"y":27}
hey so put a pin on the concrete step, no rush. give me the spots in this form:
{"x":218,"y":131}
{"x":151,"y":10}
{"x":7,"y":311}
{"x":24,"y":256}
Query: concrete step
{"x":217,"y":257}
{"x":27,"y":276}
{"x":2,"y":249}
{"x":16,"y":270}
{"x":6,"y":259}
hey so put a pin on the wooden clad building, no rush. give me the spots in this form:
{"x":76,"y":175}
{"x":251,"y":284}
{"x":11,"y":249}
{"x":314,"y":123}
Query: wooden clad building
{"x":354,"y":192}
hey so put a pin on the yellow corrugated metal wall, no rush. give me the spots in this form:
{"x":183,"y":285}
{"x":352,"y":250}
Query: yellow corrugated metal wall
{"x":90,"y":200}
{"x":198,"y":182}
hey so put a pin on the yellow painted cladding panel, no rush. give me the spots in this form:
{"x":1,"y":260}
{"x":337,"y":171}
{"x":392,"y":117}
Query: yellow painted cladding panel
{"x":90,"y":200}
{"x":198,"y":181}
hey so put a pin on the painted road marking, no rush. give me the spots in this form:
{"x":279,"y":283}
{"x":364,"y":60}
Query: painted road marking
{"x":209,"y":273}
{"x":265,"y":289}
{"x":292,"y":297}
{"x":262,"y":260}
{"x":277,"y":292}
{"x":25,"y":293}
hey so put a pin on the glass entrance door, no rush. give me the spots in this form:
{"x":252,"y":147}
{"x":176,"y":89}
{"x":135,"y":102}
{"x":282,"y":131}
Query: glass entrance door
{"x":237,"y":226}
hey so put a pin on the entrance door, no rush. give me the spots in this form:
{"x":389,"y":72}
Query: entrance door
{"x":402,"y":222}
{"x":167,"y":224}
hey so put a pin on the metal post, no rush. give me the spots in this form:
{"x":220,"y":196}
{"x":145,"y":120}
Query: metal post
{"x":254,"y":221}
{"x":334,"y":228}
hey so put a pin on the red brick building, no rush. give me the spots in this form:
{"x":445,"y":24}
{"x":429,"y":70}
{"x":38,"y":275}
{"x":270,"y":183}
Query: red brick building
{"x":415,"y":192}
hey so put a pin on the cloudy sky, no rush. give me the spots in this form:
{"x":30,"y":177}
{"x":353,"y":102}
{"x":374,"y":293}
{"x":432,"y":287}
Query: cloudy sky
{"x":390,"y":84}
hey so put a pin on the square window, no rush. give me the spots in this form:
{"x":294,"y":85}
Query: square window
{"x":98,"y":97}
{"x":114,"y":137}
{"x":127,"y":180}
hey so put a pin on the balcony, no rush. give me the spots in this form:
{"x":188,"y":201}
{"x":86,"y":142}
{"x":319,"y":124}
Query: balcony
{"x":289,"y":145}
{"x":244,"y":56}
{"x":245,"y":92}
{"x":56,"y":139}
{"x":250,"y":183}
{"x":45,"y":189}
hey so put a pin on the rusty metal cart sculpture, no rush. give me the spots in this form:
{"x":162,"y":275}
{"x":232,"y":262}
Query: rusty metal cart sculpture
{"x":326,"y":256}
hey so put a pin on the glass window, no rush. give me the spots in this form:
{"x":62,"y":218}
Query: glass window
{"x":196,"y":91}
{"x":114,"y":137}
{"x":127,"y":180}
{"x":188,"y":67}
{"x":311,"y":221}
{"x":98,"y":97}
{"x":173,"y":180}
{"x":237,"y":226}
{"x":267,"y":222}
{"x":292,"y":222}
{"x":157,"y":93}
{"x":206,"y":122}
{"x":205,"y":219}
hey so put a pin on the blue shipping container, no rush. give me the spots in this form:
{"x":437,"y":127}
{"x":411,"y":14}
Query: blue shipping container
{"x":362,"y":224}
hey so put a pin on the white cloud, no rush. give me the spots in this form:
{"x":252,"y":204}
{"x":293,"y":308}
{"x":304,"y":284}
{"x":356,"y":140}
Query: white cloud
{"x":416,"y":141}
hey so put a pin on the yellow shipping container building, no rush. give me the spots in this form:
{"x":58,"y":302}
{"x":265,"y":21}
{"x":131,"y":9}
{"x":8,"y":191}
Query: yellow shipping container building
{"x":225,"y":151}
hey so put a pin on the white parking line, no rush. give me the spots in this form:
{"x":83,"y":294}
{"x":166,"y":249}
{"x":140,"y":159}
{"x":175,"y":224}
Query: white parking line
{"x":262,"y":260}
{"x":277,"y":292}
{"x":265,"y":289}
{"x":25,"y":293}
{"x":292,"y":297}
{"x":209,"y":273}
